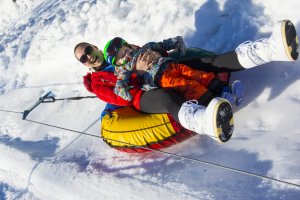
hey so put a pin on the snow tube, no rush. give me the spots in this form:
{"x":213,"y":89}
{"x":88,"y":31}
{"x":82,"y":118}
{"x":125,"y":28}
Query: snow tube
{"x":128,"y":130}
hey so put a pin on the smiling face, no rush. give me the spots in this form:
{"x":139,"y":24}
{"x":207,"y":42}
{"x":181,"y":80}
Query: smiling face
{"x":123,"y":55}
{"x":89,"y":55}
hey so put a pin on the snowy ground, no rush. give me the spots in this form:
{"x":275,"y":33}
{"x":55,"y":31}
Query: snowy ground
{"x":36,"y":55}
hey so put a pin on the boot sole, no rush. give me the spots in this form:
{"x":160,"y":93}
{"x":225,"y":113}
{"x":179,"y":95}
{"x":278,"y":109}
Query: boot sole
{"x":224,"y":124}
{"x":290,"y":38}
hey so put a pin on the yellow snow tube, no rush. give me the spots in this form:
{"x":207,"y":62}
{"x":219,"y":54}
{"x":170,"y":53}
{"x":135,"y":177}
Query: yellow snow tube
{"x":131,"y":131}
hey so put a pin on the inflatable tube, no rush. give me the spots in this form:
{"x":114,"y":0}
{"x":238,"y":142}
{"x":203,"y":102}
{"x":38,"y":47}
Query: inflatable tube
{"x":128,"y":130}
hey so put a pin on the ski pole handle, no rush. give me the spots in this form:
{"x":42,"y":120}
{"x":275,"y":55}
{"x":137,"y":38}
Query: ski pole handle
{"x":49,"y":99}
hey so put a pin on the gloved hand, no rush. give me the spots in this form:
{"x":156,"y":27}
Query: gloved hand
{"x":180,"y":46}
{"x":87,"y":81}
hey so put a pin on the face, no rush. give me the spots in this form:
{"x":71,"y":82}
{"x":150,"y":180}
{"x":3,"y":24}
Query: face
{"x":123,"y":55}
{"x":94,"y":55}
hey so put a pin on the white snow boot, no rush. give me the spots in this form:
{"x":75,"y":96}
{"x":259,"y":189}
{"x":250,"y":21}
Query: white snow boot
{"x":215,"y":120}
{"x":282,"y":45}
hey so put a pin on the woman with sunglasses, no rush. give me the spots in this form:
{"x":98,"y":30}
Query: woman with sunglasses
{"x":102,"y":82}
{"x":279,"y":46}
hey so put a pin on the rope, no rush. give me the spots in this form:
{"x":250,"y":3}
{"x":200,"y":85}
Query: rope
{"x":177,"y":156}
{"x":52,"y":158}
{"x":10,"y":111}
{"x":52,"y":99}
{"x":171,"y":154}
{"x":76,"y":98}
{"x":42,"y":86}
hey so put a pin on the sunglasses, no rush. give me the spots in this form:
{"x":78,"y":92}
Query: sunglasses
{"x":87,"y":51}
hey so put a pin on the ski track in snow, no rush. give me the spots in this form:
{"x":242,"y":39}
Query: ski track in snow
{"x":36,"y":55}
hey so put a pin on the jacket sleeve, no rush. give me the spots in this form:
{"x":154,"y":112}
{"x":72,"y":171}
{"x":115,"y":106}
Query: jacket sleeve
{"x":122,"y":85}
{"x":168,"y":44}
{"x":106,"y":93}
{"x":87,"y":82}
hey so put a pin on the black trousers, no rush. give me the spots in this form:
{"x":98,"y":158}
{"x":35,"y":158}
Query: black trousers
{"x":161,"y":101}
{"x":227,"y":62}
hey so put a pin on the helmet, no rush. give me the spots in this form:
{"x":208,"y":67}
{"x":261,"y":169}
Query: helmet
{"x":111,"y":49}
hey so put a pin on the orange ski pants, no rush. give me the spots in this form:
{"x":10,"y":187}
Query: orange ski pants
{"x":188,"y":82}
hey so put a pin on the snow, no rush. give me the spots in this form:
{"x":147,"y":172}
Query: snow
{"x":36,"y":55}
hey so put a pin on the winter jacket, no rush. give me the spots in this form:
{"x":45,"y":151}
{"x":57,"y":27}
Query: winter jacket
{"x":102,"y":83}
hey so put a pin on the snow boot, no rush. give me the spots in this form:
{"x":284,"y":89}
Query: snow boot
{"x":215,"y":120}
{"x":282,"y":45}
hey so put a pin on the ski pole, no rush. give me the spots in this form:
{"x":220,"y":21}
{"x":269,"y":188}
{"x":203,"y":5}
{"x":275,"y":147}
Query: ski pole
{"x":26,"y":112}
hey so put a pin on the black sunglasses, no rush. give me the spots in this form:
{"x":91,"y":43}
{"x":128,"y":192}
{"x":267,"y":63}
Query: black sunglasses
{"x":87,"y":51}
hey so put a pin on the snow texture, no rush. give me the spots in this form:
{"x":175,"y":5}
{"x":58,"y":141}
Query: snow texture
{"x":36,"y":55}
